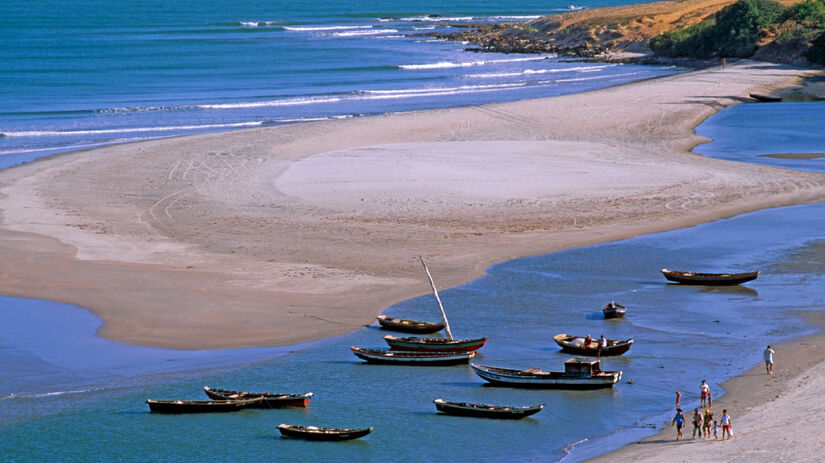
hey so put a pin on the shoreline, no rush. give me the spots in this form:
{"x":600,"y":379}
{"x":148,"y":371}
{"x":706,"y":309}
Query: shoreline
{"x":760,"y":406}
{"x":95,"y":237}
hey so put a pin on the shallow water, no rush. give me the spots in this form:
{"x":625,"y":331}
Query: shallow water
{"x":683,"y":335}
{"x":66,"y":394}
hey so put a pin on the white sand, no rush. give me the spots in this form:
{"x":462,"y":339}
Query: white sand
{"x":279,"y":235}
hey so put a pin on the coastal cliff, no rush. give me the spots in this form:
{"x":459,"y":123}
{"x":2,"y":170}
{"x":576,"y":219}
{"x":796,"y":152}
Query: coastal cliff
{"x":616,"y":31}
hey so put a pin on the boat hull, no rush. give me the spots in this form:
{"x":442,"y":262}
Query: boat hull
{"x":409,"y":326}
{"x":613,"y":348}
{"x":412,"y":358}
{"x":709,"y":279}
{"x":485,"y":410}
{"x":269,"y":400}
{"x":434,"y":344}
{"x":551,"y":380}
{"x":327,"y":434}
{"x":199,"y":406}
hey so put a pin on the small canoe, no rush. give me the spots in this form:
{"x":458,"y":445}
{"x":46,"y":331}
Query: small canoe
{"x":418,"y":358}
{"x":575,"y":345}
{"x":577,"y":374}
{"x":709,"y":279}
{"x":408,"y":326}
{"x":614,"y":310}
{"x":269,"y":400}
{"x":485,"y":410}
{"x":316,"y":433}
{"x":434,"y":344}
{"x":765,"y":98}
{"x":200,"y":406}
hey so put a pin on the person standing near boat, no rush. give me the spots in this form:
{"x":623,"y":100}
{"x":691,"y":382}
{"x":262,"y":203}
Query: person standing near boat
{"x":602,"y":345}
{"x":679,"y":421}
{"x":767,"y":354}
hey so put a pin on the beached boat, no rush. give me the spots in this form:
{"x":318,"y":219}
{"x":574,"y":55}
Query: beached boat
{"x":418,"y":358}
{"x":316,"y":433}
{"x":576,"y":345}
{"x":434,"y":344}
{"x":614,"y":310}
{"x":765,"y":98}
{"x":577,"y":374}
{"x":485,"y":410}
{"x":200,"y":406}
{"x":409,"y":326}
{"x":709,"y":279}
{"x":269,"y":400}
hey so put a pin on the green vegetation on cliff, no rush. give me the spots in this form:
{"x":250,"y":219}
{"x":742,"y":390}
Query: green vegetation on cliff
{"x":739,"y":30}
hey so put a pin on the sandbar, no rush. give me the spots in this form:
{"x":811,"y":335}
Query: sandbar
{"x":280,"y":235}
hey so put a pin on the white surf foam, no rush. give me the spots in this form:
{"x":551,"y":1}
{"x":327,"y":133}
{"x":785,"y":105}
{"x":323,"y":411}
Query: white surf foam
{"x":466,"y":64}
{"x":52,"y":133}
{"x":363,"y":33}
{"x":323,"y":28}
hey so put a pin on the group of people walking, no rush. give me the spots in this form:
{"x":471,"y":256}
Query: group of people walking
{"x":704,"y":424}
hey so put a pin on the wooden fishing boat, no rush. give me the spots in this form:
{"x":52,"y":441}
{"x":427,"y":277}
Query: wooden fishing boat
{"x":434,"y":344}
{"x":409,"y":326}
{"x":614,"y":310}
{"x":201,"y":406}
{"x":577,"y":374}
{"x":269,"y":400}
{"x":765,"y":98}
{"x":485,"y":410}
{"x":448,"y":344}
{"x":709,"y":279}
{"x":316,"y":433}
{"x":419,"y":358}
{"x":576,"y":345}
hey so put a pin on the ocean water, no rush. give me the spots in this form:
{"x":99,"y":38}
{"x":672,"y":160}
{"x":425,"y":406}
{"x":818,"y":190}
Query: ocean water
{"x":105,"y":72}
{"x":81,"y":73}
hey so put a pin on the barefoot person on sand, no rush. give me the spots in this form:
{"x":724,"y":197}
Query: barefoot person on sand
{"x":697,"y":423}
{"x":726,"y":425}
{"x":679,"y":421}
{"x":768,"y":355}
{"x":704,"y":391}
{"x":707,"y":423}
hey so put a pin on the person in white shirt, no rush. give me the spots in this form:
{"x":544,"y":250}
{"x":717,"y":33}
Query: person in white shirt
{"x":768,"y":355}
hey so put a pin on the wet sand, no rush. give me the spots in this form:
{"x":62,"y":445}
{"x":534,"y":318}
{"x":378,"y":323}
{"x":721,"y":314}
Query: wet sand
{"x":774,"y":417}
{"x":281,"y":235}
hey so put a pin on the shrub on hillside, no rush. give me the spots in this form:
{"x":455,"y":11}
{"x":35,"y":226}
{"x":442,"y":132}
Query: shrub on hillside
{"x":816,"y":54}
{"x":810,"y":12}
{"x":733,"y":32}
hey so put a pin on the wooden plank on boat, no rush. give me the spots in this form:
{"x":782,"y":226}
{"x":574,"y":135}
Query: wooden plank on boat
{"x":409,"y":326}
{"x":709,"y":279}
{"x":414,"y":358}
{"x":485,"y":410}
{"x":319,"y":433}
{"x":269,"y":399}
{"x":200,"y":406}
{"x":576,"y":345}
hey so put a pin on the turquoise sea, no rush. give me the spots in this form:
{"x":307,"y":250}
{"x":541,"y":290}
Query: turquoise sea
{"x":68,"y":395}
{"x":80,"y":73}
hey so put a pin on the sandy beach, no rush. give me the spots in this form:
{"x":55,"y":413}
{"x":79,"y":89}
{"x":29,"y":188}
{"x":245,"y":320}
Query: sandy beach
{"x":773,"y":417}
{"x":279,"y":235}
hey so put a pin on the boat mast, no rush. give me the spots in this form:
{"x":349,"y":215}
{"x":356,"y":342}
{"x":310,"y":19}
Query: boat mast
{"x":435,"y":292}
